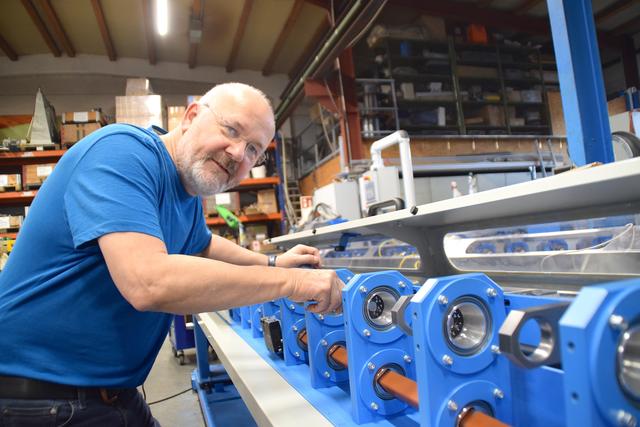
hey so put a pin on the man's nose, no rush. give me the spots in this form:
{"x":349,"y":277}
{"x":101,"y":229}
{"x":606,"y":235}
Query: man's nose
{"x":236,"y":151}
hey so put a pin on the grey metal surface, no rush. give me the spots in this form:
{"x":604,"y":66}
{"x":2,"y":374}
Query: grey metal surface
{"x":271,"y":400}
{"x":605,"y":190}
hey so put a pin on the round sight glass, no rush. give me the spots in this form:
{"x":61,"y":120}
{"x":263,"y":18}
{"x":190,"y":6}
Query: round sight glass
{"x":377,"y":307}
{"x":629,"y":362}
{"x":466,"y":325}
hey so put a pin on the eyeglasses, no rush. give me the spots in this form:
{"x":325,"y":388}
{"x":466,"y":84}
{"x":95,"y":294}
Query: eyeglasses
{"x":252,"y":151}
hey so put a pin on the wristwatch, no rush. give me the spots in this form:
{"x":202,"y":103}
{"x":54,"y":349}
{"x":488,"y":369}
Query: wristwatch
{"x":271,"y":262}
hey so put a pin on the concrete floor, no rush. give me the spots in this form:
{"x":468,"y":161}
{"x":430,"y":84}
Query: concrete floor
{"x":167,"y":377}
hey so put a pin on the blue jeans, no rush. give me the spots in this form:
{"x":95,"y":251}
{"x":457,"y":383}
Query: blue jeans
{"x":129,"y":409}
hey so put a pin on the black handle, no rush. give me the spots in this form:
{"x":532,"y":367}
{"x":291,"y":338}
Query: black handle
{"x":374,"y":208}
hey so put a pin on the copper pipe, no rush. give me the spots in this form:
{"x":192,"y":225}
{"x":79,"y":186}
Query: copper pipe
{"x":398,"y":385}
{"x":474,"y":418}
{"x":302,"y":336}
{"x":338,"y":353}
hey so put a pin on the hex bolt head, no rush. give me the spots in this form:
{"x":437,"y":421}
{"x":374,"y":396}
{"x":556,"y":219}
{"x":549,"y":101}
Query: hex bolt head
{"x":447,"y":360}
{"x":366,"y":332}
{"x":259,"y":309}
{"x":374,"y":406}
{"x":321,"y":316}
{"x":324,"y":343}
{"x":402,"y":285}
{"x":363,"y":289}
{"x":297,"y":354}
{"x":371,"y":366}
{"x":407,"y":358}
{"x":617,"y":322}
{"x":498,"y":394}
{"x":495,"y":349}
{"x":443,"y":300}
{"x":626,"y":419}
{"x":292,"y":307}
{"x":294,"y":328}
{"x":492,"y":293}
{"x":452,"y":406}
{"x":326,"y":374}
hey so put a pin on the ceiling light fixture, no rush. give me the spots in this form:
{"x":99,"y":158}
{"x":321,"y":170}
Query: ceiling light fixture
{"x":162,"y":17}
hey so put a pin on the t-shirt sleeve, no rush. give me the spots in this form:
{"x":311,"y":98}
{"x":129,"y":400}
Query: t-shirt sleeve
{"x":114,"y":188}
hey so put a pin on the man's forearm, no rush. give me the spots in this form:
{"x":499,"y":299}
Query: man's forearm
{"x":225,"y":250}
{"x":186,"y":284}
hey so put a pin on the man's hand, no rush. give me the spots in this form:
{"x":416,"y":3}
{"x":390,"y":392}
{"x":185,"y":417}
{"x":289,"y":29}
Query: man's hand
{"x":298,"y":256}
{"x":322,"y":286}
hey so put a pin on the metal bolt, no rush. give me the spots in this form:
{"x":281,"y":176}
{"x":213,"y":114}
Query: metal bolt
{"x":326,"y":374}
{"x":324,"y":343}
{"x":402,"y":285}
{"x":407,"y":358}
{"x":53,"y":411}
{"x":363,"y":289}
{"x":259,"y":310}
{"x":292,"y":307}
{"x":297,"y":354}
{"x":453,"y":406}
{"x":371,"y":366}
{"x":294,"y":328}
{"x":321,"y":316}
{"x":495,"y":349}
{"x":447,"y":360}
{"x":492,"y":293}
{"x":443,"y":300}
{"x":347,"y":278}
{"x":374,"y":406}
{"x":366,"y":332}
{"x":625,"y":419}
{"x":498,"y":394}
{"x":617,"y":322}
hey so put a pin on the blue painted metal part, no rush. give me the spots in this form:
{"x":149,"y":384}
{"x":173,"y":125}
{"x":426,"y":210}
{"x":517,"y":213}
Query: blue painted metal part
{"x":323,"y":331}
{"x":593,"y":393}
{"x":234,"y":313}
{"x":245,"y":317}
{"x":220,"y":402}
{"x":581,"y":84}
{"x":271,"y":308}
{"x":370,"y":348}
{"x":256,"y":324}
{"x":444,"y":374}
{"x":292,"y":322}
{"x":181,"y":337}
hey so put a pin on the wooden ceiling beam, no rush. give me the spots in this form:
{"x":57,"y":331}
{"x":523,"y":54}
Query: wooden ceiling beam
{"x":484,"y":3}
{"x":104,"y":30}
{"x":325,"y":4}
{"x":197,"y":12}
{"x":612,"y":10}
{"x":237,"y":38}
{"x":42,"y":28}
{"x":526,"y":6}
{"x":57,"y":27}
{"x":311,"y":46}
{"x":629,"y":28}
{"x":7,"y":49}
{"x":282,"y":37}
{"x":148,"y":30}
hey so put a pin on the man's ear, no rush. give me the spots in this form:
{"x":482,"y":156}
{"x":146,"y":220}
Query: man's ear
{"x":189,"y":116}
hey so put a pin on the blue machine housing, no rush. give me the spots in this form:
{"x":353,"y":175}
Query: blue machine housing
{"x":447,"y":380}
{"x":323,"y":331}
{"x":256,"y":324}
{"x":245,"y":317}
{"x":370,"y":348}
{"x":292,"y":323}
{"x":590,"y":332}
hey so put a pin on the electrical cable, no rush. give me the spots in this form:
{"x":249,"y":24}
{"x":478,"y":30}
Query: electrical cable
{"x":144,"y":393}
{"x":169,"y":397}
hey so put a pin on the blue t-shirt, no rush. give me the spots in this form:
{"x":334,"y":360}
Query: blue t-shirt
{"x":62,"y":319}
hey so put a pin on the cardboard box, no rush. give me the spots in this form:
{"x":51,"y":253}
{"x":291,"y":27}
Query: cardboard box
{"x":36,"y":174}
{"x":174,"y":116}
{"x":230,"y":200}
{"x":257,"y":232}
{"x":10,"y":221}
{"x":71,"y":133}
{"x":138,"y":87}
{"x":82,"y":117}
{"x":473,"y":71}
{"x":267,"y":202}
{"x":10,"y":182}
{"x":142,"y":111}
{"x":492,"y":115}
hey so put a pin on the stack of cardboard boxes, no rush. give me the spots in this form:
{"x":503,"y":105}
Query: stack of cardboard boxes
{"x":140,"y":106}
{"x":77,"y":125}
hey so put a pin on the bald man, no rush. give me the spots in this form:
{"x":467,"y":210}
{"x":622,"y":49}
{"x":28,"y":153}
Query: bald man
{"x":114,"y":241}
